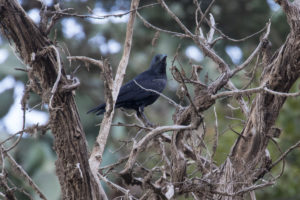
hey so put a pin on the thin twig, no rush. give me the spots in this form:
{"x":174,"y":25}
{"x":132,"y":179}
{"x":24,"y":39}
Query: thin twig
{"x":23,"y":173}
{"x":239,"y":40}
{"x":222,"y":65}
{"x":23,"y":104}
{"x":85,"y":59}
{"x":283,"y":94}
{"x":140,"y":146}
{"x":59,"y":68}
{"x":160,"y":94}
{"x":183,"y":27}
{"x":211,"y":32}
{"x":245,"y":190}
{"x":115,"y":186}
{"x":132,"y":125}
{"x":283,"y":160}
{"x":259,"y":89}
{"x":30,"y":130}
{"x":148,"y":24}
{"x":215,"y":145}
{"x":253,"y":73}
{"x":103,"y":16}
{"x":206,"y":12}
{"x":238,"y":92}
{"x":112,"y":166}
{"x":297,"y":144}
{"x":254,"y":53}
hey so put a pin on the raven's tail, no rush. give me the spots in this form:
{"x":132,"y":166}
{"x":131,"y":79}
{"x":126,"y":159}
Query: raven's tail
{"x":99,"y":110}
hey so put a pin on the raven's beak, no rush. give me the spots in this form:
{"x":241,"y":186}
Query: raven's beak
{"x":163,"y":57}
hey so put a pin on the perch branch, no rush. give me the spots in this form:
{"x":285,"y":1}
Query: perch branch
{"x":98,"y":149}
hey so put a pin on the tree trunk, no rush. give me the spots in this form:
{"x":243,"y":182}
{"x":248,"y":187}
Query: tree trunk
{"x":279,"y":74}
{"x":41,"y":60}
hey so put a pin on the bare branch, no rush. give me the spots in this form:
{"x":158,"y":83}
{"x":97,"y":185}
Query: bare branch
{"x":93,"y":16}
{"x":23,"y":104}
{"x":254,"y":53}
{"x":253,"y":73}
{"x":115,"y":186}
{"x":133,"y":125}
{"x":183,"y":27}
{"x":23,"y":173}
{"x":245,"y":190}
{"x":283,"y":94}
{"x":262,"y":88}
{"x":140,"y":146}
{"x":75,"y":84}
{"x":112,"y":166}
{"x":238,"y":92}
{"x":30,"y":130}
{"x":85,"y":59}
{"x":206,"y":12}
{"x":98,"y":149}
{"x":238,"y":40}
{"x":285,"y":154}
{"x":216,"y":137}
{"x":148,"y":24}
{"x":59,"y":68}
{"x":160,"y":94}
{"x":211,"y":32}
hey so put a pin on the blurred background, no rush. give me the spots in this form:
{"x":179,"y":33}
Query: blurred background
{"x":103,"y":38}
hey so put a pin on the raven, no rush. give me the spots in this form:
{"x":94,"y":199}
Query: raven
{"x":136,"y":94}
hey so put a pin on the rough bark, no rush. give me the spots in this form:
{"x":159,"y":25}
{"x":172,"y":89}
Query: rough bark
{"x":248,"y":153}
{"x":32,"y":46}
{"x":279,"y":74}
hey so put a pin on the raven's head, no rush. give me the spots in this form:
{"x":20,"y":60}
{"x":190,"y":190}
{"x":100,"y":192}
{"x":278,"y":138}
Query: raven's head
{"x":158,"y":63}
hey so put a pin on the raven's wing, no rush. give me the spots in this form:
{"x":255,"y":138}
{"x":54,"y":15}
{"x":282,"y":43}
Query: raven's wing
{"x":99,"y":110}
{"x":138,"y":89}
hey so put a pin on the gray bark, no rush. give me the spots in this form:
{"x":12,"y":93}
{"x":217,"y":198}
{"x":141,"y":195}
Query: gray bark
{"x":72,"y":166}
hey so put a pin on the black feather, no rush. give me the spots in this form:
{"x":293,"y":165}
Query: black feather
{"x":133,"y":96}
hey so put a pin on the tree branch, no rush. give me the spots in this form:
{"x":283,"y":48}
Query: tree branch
{"x":98,"y":149}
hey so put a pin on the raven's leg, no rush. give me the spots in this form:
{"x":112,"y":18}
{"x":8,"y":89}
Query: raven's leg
{"x":140,"y":114}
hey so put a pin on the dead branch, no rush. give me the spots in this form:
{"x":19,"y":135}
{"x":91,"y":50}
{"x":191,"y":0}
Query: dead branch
{"x":216,"y":137}
{"x":59,"y":68}
{"x":255,"y":52}
{"x":117,"y":187}
{"x":29,"y":42}
{"x":93,"y":16}
{"x":98,"y":149}
{"x":259,"y":89}
{"x":140,"y":146}
{"x":162,"y":95}
{"x":23,"y":174}
{"x":31,"y":130}
{"x":85,"y":59}
{"x":284,"y":155}
{"x":149,"y":25}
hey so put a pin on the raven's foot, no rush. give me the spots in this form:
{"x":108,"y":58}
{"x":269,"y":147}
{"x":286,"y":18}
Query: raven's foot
{"x":144,"y":119}
{"x":149,"y":124}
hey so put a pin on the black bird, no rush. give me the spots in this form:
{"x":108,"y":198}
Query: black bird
{"x":136,"y":93}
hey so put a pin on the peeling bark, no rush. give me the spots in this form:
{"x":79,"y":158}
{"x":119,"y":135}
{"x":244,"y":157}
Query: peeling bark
{"x":32,"y":46}
{"x":279,"y":75}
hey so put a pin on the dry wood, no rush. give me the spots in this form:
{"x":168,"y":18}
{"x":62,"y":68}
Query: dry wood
{"x":185,"y":146}
{"x":69,"y":138}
